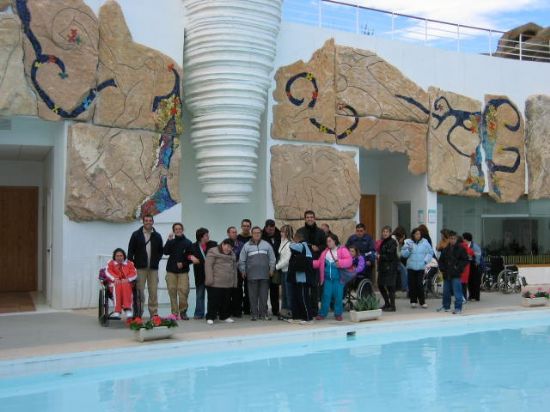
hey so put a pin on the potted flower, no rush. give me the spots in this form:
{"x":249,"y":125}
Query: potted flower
{"x":366,"y":308}
{"x":538,"y":298}
{"x":154,"y":328}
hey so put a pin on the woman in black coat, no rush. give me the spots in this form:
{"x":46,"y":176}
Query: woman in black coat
{"x":388,"y":268}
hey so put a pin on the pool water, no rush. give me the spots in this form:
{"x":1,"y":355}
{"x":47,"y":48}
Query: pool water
{"x":501,"y":367}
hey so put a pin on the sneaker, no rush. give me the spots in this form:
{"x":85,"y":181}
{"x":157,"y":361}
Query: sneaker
{"x":413,"y":305}
{"x":339,"y":318}
{"x":115,"y":315}
{"x":229,"y":320}
{"x":129,"y":313}
{"x":183,"y":316}
{"x":464,"y":300}
{"x":209,"y":322}
{"x":443,"y":309}
{"x":457,"y":312}
{"x":425,"y":306}
{"x":306,"y":322}
{"x":253,"y":318}
{"x":266,"y":317}
{"x":319,"y":317}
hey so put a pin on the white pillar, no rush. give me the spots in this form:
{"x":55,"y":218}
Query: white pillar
{"x":230,"y":46}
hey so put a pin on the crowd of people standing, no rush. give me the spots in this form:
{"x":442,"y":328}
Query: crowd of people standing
{"x":303,"y":273}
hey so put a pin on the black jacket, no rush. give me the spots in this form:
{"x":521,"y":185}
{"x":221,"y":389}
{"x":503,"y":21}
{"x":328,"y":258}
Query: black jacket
{"x":198,"y":270}
{"x":137,"y":251}
{"x":388,"y":263}
{"x":453,"y":260}
{"x":178,"y":250}
{"x":314,"y":236}
{"x":300,"y":262}
{"x":274,"y":241}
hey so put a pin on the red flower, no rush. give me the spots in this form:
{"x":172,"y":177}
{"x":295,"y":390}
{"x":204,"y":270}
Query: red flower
{"x":174,"y":111}
{"x":156,"y":321}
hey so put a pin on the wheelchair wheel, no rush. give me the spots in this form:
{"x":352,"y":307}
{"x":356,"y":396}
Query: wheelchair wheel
{"x":103,"y":309}
{"x":437,"y":285}
{"x":364,"y":289}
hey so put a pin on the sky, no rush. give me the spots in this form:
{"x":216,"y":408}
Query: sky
{"x":492,"y":14}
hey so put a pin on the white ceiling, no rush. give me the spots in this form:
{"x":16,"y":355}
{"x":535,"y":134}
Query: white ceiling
{"x":28,"y":153}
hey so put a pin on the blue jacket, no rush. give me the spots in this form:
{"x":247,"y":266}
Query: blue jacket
{"x":418,"y":254}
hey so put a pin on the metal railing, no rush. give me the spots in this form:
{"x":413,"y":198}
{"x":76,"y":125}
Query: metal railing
{"x":343,"y":16}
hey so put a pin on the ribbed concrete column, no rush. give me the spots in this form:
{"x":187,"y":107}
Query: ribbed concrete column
{"x":229,"y":51}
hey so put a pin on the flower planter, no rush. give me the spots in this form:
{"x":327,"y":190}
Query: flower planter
{"x":364,"y":315}
{"x":158,"y":332}
{"x":530,"y":302}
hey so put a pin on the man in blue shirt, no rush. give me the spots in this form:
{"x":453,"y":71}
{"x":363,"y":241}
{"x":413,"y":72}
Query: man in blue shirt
{"x":364,"y":243}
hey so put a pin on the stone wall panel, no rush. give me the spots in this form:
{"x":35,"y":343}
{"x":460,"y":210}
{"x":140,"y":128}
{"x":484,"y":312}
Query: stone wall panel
{"x":16,"y":98}
{"x":504,"y":143}
{"x":115,"y":175}
{"x":537,"y":113}
{"x":311,"y":177}
{"x":142,"y":75}
{"x":453,"y":138}
{"x":305,"y":91}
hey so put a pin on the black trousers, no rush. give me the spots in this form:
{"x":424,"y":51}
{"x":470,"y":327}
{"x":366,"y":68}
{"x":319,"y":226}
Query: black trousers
{"x":219,"y":302}
{"x":315,"y":294}
{"x":474,"y":282}
{"x":416,"y":289}
{"x":388,"y":293}
{"x":274,"y":298}
{"x":301,"y":302}
{"x":237,"y":298}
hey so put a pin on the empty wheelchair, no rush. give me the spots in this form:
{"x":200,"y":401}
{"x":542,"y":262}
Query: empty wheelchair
{"x":105,"y":300}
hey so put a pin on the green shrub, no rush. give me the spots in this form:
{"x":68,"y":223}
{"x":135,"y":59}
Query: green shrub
{"x":371,"y":302}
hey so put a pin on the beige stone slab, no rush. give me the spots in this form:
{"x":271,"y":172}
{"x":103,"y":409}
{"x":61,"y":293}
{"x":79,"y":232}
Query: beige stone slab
{"x":371,"y":85}
{"x":394,"y":136}
{"x":293,"y":121}
{"x":537,"y":113}
{"x":141,"y":74}
{"x":452,"y":142}
{"x":66,"y":30}
{"x":16,"y":98}
{"x":342,"y":228}
{"x":507,"y":179}
{"x":112,"y":172}
{"x":314,"y":177}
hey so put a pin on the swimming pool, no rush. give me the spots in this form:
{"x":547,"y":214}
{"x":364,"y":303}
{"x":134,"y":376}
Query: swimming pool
{"x":474,"y":363}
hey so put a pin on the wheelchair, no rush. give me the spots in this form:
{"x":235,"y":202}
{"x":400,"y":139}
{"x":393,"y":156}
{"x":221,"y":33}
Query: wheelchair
{"x":105,"y":296}
{"x":357,"y":288}
{"x":433,"y":283}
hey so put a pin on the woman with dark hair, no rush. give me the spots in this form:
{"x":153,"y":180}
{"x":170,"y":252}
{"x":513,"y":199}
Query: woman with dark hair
{"x":425,"y":233}
{"x":120,"y":273}
{"x":419,"y":253}
{"x":220,"y":277}
{"x":287,"y":233}
{"x":388,"y":267}
{"x":198,"y":256}
{"x":332,"y":259}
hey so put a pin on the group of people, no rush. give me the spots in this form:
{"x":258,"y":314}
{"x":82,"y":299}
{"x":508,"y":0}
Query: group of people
{"x":294,"y":270}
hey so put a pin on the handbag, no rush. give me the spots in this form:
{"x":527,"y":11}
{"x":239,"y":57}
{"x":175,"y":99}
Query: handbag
{"x":276,"y":278}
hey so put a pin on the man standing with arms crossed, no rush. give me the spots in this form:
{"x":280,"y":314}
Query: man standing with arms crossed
{"x":316,"y":240}
{"x":145,"y":250}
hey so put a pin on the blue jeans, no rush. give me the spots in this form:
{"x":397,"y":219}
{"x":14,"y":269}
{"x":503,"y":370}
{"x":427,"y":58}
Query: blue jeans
{"x":332,"y":288}
{"x":456,"y":287}
{"x":287,"y":292}
{"x":404,"y":277}
{"x":199,"y":305}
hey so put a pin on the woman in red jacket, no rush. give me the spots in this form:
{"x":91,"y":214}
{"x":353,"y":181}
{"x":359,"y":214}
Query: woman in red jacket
{"x":465,"y":276}
{"x":120,"y":273}
{"x":333,"y":258}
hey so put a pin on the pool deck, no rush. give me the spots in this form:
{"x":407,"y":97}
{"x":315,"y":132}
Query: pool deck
{"x":49,"y":332}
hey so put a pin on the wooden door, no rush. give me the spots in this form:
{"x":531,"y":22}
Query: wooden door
{"x":367,"y":213}
{"x":19,"y":238}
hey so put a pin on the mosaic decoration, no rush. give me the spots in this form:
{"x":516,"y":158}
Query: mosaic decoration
{"x":42,"y":58}
{"x":314,"y":96}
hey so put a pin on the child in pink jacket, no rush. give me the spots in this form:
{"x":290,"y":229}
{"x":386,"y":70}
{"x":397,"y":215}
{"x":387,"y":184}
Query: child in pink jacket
{"x":332,"y":259}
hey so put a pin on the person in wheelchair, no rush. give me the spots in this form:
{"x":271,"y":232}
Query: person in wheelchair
{"x":120,"y":273}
